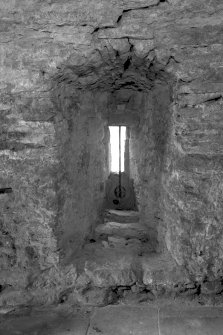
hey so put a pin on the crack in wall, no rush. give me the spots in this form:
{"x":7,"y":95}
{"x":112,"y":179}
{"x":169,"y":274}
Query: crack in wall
{"x":121,"y":16}
{"x":171,"y":57}
{"x":139,"y":8}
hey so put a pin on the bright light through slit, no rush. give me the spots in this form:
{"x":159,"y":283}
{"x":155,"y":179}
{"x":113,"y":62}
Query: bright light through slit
{"x":114,"y":141}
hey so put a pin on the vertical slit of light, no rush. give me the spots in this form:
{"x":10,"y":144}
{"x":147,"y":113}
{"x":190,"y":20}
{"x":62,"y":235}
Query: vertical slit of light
{"x":114,"y":142}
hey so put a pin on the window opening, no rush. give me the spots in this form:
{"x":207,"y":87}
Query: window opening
{"x":119,"y":187}
{"x":117,"y":148}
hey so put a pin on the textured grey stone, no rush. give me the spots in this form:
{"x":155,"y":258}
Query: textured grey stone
{"x":126,"y":320}
{"x":127,"y":230}
{"x":121,"y":216}
{"x":43,"y":322}
{"x":62,"y":64}
{"x":177,"y":320}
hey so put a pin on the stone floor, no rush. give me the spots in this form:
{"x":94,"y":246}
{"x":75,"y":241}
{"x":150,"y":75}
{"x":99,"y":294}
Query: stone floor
{"x":115,"y":320}
{"x":122,"y":252}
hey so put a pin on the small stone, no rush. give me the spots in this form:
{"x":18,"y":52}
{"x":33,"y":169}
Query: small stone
{"x":82,"y":281}
{"x":211,"y":287}
{"x":138,"y":288}
{"x":10,"y":297}
{"x":159,"y":292}
{"x":126,"y":292}
{"x":188,"y":292}
{"x":114,"y":241}
{"x":150,"y":296}
{"x":6,"y":310}
{"x":105,"y":244}
{"x":190,"y":285}
{"x":135,"y":289}
{"x":96,"y":296}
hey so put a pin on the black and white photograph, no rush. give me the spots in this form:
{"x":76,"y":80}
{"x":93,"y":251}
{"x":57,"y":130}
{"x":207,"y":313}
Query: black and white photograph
{"x":111,"y":167}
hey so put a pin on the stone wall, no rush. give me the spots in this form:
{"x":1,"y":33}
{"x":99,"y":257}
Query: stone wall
{"x":29,"y":167}
{"x":148,"y":153}
{"x":82,"y":140}
{"x":193,"y":181}
{"x":54,"y":46}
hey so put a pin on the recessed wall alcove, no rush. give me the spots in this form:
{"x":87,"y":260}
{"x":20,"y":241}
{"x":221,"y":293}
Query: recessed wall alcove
{"x":121,"y":89}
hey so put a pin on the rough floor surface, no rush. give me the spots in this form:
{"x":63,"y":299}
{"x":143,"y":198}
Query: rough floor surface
{"x":118,"y":320}
{"x":120,"y":264}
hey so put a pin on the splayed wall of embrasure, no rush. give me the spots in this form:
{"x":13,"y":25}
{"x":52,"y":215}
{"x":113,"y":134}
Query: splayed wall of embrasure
{"x":148,"y":142}
{"x":82,"y":138}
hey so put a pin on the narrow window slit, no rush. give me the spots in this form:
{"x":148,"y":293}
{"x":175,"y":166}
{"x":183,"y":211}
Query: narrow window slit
{"x":116,"y":161}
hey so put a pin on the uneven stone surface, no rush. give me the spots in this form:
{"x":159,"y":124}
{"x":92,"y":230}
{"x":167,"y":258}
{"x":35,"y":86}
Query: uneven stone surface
{"x":113,"y":215}
{"x":54,"y":321}
{"x":127,"y":273}
{"x":160,"y":270}
{"x":67,"y":67}
{"x":106,"y":267}
{"x":127,"y":230}
{"x":128,"y":320}
{"x":124,"y":320}
{"x":175,"y":320}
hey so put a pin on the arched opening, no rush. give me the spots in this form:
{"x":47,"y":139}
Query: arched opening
{"x":133,"y":100}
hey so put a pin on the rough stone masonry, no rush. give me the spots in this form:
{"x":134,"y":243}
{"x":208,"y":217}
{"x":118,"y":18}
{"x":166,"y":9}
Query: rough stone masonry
{"x":66,"y":67}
